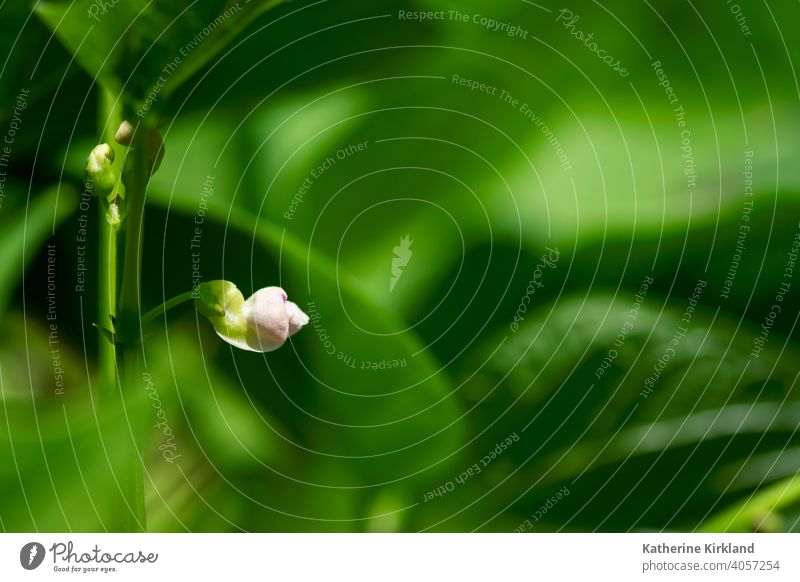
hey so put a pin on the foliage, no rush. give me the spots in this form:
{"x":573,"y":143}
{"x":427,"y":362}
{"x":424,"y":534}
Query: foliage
{"x":396,"y":389}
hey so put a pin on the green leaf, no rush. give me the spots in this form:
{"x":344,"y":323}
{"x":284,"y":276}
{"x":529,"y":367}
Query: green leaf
{"x":394,"y":420}
{"x":23,"y":235}
{"x":63,"y":459}
{"x":232,"y":430}
{"x":759,"y":512}
{"x":231,"y":22}
{"x":141,"y":46}
{"x":592,"y":425}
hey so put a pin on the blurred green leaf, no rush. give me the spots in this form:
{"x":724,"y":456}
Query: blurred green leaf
{"x":759,"y":512}
{"x":231,"y":429}
{"x":591,"y":422}
{"x":63,"y":460}
{"x":23,"y":235}
{"x":394,"y":422}
{"x":139,"y":46}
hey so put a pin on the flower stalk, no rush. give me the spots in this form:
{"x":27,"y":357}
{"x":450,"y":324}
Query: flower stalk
{"x":119,"y":176}
{"x":118,"y":362}
{"x":151,"y":315}
{"x":140,"y":162}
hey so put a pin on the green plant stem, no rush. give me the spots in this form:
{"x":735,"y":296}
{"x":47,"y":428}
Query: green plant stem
{"x":137,"y":175}
{"x":134,"y":223}
{"x":113,"y":396}
{"x":110,"y":118}
{"x":166,"y":306}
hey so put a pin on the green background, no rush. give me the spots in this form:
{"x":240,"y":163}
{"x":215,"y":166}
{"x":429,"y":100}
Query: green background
{"x":301,"y":439}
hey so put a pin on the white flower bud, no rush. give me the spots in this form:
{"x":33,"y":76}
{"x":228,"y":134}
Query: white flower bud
{"x":263,"y":323}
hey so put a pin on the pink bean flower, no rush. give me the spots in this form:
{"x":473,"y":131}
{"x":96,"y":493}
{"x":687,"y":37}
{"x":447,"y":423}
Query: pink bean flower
{"x":263,"y":323}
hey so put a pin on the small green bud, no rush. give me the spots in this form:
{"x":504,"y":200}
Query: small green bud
{"x":99,"y":172}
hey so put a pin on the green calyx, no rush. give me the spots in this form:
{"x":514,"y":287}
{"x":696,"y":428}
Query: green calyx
{"x":223,"y":304}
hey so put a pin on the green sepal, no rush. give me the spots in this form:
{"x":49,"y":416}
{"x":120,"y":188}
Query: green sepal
{"x":106,"y":333}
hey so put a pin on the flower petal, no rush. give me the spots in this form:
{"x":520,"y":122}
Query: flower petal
{"x":297,"y":318}
{"x":267,"y":320}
